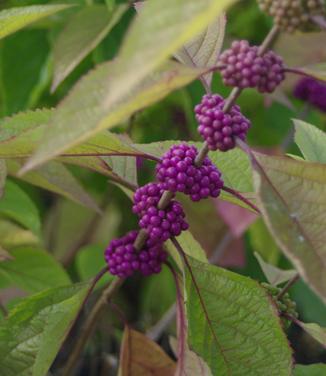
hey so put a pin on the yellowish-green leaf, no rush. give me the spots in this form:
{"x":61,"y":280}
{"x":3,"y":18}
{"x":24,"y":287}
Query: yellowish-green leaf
{"x":12,"y":235}
{"x":311,"y":141}
{"x":293,"y":203}
{"x":316,"y":331}
{"x":13,"y":19}
{"x":232,"y":324}
{"x":204,"y":49}
{"x":274,"y":275}
{"x":142,"y":357}
{"x":310,"y":370}
{"x":116,"y":90}
{"x":84,"y":31}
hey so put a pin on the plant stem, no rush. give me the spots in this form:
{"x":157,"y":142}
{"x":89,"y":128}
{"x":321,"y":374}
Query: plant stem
{"x":241,"y":198}
{"x":299,"y":71}
{"x":90,"y":324}
{"x":269,"y":40}
{"x":287,"y":287}
{"x":156,"y":331}
{"x":3,"y":309}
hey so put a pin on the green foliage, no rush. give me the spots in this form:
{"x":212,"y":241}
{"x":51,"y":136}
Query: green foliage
{"x":310,"y":370}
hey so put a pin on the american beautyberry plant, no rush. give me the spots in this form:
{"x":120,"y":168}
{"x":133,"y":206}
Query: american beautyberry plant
{"x":205,"y":254}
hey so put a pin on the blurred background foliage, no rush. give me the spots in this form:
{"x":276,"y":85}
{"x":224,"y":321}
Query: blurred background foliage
{"x":77,"y":236}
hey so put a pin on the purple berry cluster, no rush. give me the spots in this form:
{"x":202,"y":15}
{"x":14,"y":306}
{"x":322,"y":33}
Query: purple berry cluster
{"x":311,"y":91}
{"x":219,"y":129}
{"x":241,"y":66}
{"x":178,"y":173}
{"x":123,"y":259}
{"x":160,"y":224}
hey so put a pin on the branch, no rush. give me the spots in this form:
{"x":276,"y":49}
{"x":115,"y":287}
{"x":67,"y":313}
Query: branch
{"x":90,"y":324}
{"x":287,"y":287}
{"x":239,"y":196}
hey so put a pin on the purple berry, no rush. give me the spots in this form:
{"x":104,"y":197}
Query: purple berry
{"x":218,"y":128}
{"x":158,"y":223}
{"x":241,"y":66}
{"x":312,"y":91}
{"x":177,"y":173}
{"x":123,"y":259}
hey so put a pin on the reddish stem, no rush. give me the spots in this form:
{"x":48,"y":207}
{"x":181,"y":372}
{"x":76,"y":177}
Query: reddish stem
{"x":241,"y":198}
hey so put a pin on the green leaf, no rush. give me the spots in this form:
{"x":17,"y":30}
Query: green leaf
{"x":84,"y":107}
{"x":17,"y":205}
{"x":311,"y":141}
{"x":14,"y":19}
{"x":35,"y":329}
{"x":274,"y":275}
{"x":84,"y":31}
{"x":32,"y":270}
{"x":317,"y":71}
{"x":293,"y":204}
{"x":12,"y":235}
{"x":316,"y":331}
{"x":117,"y":89}
{"x":310,"y":370}
{"x":55,"y":177}
{"x":89,"y":261}
{"x":204,"y":50}
{"x":232,"y":324}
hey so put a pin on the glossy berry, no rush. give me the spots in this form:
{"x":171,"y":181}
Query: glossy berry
{"x":159,"y":224}
{"x":217,"y":128}
{"x":177,"y":173}
{"x":123,"y":259}
{"x":241,"y":66}
{"x":312,"y":92}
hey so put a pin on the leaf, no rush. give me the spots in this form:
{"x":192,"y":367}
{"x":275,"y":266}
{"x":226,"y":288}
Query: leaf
{"x":17,"y":205}
{"x":117,"y":89}
{"x":35,"y":329}
{"x":194,"y":364}
{"x":4,"y":255}
{"x":203,"y":51}
{"x":12,"y":235}
{"x":293,"y":203}
{"x":124,"y":168}
{"x":311,"y":141}
{"x":317,"y":71}
{"x":316,"y":331}
{"x":84,"y":31}
{"x":142,"y":357}
{"x":274,"y":275}
{"x":14,"y":19}
{"x":55,"y":177}
{"x":310,"y":370}
{"x":84,"y":107}
{"x":32,"y":270}
{"x":232,"y":324}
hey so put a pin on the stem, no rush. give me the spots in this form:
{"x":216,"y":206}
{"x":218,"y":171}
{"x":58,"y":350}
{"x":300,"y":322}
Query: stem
{"x":291,"y":318}
{"x":3,"y":309}
{"x":141,"y":239}
{"x":167,"y":196}
{"x":319,"y":21}
{"x":269,"y":40}
{"x":90,"y":324}
{"x":300,"y":72}
{"x":112,"y":154}
{"x":287,"y":287}
{"x":156,"y":331}
{"x":241,"y":198}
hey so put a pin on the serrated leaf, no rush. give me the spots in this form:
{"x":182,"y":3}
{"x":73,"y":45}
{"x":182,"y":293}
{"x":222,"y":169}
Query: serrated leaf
{"x":32,"y":270}
{"x":311,"y":141}
{"x":17,"y":205}
{"x":316,"y":331}
{"x":155,"y":35}
{"x":310,"y":370}
{"x":83,"y":32}
{"x":203,"y":51}
{"x":55,"y":177}
{"x":13,"y":19}
{"x":293,"y":203}
{"x":232,"y":324}
{"x":142,"y":357}
{"x":32,"y":334}
{"x":84,"y":106}
{"x":274,"y":275}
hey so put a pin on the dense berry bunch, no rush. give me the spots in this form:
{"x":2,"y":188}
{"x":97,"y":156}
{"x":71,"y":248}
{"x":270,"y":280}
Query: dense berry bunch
{"x":241,"y":66}
{"x":123,"y":259}
{"x":159,"y":224}
{"x":311,"y":91}
{"x":218,"y":128}
{"x":291,"y":15}
{"x":284,"y":305}
{"x":177,"y":173}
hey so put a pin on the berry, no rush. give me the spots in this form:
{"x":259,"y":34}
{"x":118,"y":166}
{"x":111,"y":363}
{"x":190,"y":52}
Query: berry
{"x":160,"y":224}
{"x":241,"y":66}
{"x":123,"y":259}
{"x":311,"y":91}
{"x":177,"y":173}
{"x":292,"y":15}
{"x":218,"y":128}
